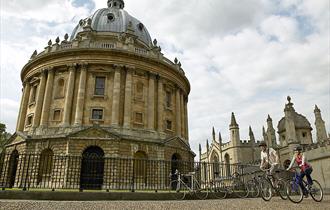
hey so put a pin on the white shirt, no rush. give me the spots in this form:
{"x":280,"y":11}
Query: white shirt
{"x":272,"y":156}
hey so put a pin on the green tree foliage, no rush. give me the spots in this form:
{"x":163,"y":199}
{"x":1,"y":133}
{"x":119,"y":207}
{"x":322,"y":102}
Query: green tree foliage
{"x":3,"y":136}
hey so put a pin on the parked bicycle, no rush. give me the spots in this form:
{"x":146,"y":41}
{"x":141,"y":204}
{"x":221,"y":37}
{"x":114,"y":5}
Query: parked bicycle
{"x":253,"y":185}
{"x":269,"y":183}
{"x":221,"y":187}
{"x":185,"y":184}
{"x":296,"y":193}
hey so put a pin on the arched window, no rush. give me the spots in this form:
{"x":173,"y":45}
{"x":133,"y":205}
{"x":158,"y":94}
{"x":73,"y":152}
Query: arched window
{"x":215,"y":162}
{"x":92,"y":168}
{"x":12,"y":168}
{"x":45,"y":165}
{"x":227,"y":164}
{"x":176,"y":163}
{"x":140,"y":164}
{"x":60,"y":88}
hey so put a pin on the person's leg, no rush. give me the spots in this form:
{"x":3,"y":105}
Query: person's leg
{"x":308,"y":173}
{"x":301,"y":177}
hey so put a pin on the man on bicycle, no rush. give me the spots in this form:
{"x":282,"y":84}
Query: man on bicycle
{"x":269,"y":158}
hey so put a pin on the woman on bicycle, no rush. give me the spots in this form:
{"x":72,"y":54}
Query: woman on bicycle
{"x":305,"y":167}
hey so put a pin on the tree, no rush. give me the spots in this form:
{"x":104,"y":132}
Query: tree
{"x":3,"y":137}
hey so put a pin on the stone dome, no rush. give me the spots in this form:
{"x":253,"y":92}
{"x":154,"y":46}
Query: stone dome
{"x":116,"y":20}
{"x":300,"y":122}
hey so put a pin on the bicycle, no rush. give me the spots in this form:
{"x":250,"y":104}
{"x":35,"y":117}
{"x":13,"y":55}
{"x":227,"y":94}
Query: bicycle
{"x":181,"y":186}
{"x":237,"y":187}
{"x":253,"y":185}
{"x":296,"y":193}
{"x":269,"y":183}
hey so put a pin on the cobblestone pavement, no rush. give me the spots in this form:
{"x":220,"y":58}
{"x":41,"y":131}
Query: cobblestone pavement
{"x":255,"y":203}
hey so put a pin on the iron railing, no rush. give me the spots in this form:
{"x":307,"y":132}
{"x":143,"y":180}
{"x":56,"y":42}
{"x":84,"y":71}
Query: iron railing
{"x":30,"y":171}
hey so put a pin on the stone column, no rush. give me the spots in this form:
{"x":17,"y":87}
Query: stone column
{"x":178,"y":112}
{"x":69,"y":96}
{"x":40,"y":99}
{"x":151,"y":102}
{"x":186,"y":118}
{"x":81,"y":96}
{"x":128,"y":98}
{"x":23,"y":107}
{"x":182,"y":115}
{"x":116,"y":97}
{"x":48,"y":97}
{"x":160,"y":107}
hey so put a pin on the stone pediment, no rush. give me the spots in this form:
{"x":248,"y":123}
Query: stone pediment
{"x":16,"y":138}
{"x":94,"y":133}
{"x":177,"y":142}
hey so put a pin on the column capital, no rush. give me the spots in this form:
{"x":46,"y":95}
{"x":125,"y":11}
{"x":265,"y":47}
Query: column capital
{"x":43,"y":72}
{"x":72,"y":66}
{"x":117,"y":66}
{"x":151,"y":75}
{"x":84,"y":66}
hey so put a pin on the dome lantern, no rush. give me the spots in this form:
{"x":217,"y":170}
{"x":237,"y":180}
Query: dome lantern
{"x":118,"y":4}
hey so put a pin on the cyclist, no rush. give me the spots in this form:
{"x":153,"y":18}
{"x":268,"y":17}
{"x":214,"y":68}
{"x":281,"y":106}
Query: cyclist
{"x":269,"y":158}
{"x":305,"y":168}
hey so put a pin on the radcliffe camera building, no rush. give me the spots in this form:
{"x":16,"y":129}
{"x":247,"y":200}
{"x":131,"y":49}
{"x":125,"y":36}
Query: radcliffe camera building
{"x":105,"y":90}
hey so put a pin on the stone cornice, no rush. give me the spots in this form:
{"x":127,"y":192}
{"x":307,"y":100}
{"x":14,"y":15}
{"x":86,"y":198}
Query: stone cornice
{"x":99,"y":56}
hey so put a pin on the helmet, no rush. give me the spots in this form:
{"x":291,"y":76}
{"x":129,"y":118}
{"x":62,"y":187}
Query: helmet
{"x":298,"y":148}
{"x":262,"y":144}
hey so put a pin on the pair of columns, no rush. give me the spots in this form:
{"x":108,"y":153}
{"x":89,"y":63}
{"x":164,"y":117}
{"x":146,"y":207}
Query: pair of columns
{"x":181,"y":115}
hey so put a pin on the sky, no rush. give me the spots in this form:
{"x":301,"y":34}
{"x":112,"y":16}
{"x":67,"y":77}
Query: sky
{"x":241,"y":56}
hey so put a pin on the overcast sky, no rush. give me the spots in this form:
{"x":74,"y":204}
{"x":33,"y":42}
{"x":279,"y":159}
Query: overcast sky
{"x":241,"y":56}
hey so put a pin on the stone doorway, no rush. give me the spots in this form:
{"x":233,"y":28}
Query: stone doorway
{"x":92,"y":168}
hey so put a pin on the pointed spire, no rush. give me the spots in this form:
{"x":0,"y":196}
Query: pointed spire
{"x":233,"y":120}
{"x":213,"y":134}
{"x":207,"y":145}
{"x":263,"y":130}
{"x":269,"y":118}
{"x":200,"y":148}
{"x":220,"y":138}
{"x":316,"y":109}
{"x":250,"y":130}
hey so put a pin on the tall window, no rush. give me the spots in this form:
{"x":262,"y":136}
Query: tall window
{"x":60,"y":88}
{"x":139,"y":90}
{"x":168,"y":97}
{"x":99,"y":86}
{"x":33,"y":94}
{"x":97,"y":114}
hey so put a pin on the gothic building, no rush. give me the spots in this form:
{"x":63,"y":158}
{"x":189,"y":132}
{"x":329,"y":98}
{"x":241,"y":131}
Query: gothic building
{"x":293,"y":129}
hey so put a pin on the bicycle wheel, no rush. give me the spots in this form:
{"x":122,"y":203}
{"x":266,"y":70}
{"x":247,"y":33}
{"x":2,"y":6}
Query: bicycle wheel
{"x":253,"y":188}
{"x":201,"y":191}
{"x":240,"y":189}
{"x":266,"y":191}
{"x":219,"y":190}
{"x":294,"y":191}
{"x":281,"y":189}
{"x":177,"y":190}
{"x":316,"y":191}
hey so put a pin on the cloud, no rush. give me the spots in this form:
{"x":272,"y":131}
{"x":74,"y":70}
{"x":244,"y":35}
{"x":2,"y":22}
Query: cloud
{"x":242,"y":56}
